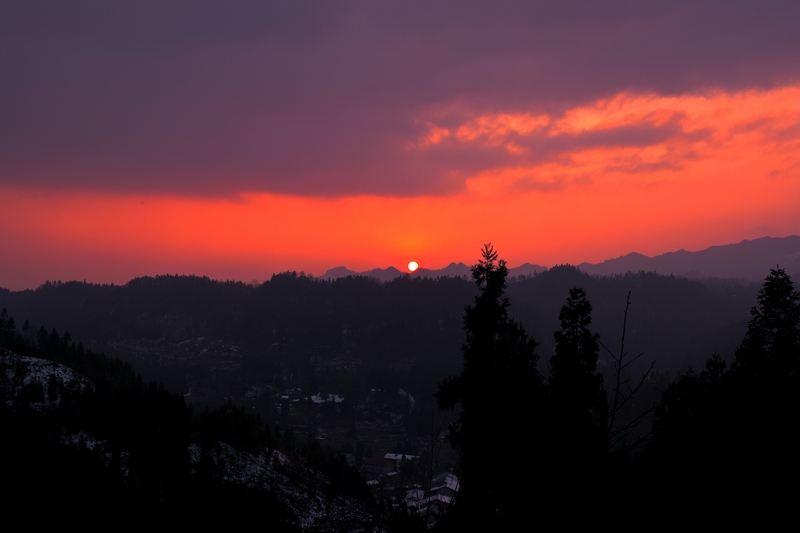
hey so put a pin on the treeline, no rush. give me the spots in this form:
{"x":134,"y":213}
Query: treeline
{"x":733,"y":431}
{"x":722,"y":437}
{"x":524,"y":412}
{"x":406,"y":333}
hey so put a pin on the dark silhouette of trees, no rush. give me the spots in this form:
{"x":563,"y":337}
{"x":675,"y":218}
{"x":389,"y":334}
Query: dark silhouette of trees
{"x":769,"y":350}
{"x":693,"y":423}
{"x":721,"y":434}
{"x":236,"y":427}
{"x":733,"y":435}
{"x":500,"y":392}
{"x":577,"y":397}
{"x":764,"y":383}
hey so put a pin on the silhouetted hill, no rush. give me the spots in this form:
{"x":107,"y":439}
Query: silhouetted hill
{"x":633,"y":262}
{"x":453,"y":270}
{"x":383,"y":347}
{"x":339,"y":272}
{"x":410,"y":326}
{"x":526,"y":269}
{"x":746,"y":260}
{"x":381,"y":274}
{"x":267,"y":348}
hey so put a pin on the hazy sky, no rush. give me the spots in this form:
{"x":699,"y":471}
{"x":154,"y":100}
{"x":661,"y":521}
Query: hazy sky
{"x":237,"y":139}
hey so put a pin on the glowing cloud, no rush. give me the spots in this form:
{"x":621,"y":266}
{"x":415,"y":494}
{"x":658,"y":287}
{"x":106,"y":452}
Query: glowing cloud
{"x":633,"y":172}
{"x":648,"y":135}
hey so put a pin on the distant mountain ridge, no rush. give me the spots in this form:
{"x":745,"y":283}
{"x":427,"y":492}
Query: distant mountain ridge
{"x":749,"y":260}
{"x":452,"y":270}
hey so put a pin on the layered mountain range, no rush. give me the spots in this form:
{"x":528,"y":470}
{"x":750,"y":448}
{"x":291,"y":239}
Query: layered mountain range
{"x":747,"y":260}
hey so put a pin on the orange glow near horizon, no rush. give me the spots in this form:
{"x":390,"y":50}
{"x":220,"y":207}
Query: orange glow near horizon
{"x":730,"y":171}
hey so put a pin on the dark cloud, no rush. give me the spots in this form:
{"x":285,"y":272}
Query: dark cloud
{"x":481,"y":153}
{"x":640,"y":135}
{"x":544,"y":185}
{"x":322,"y":97}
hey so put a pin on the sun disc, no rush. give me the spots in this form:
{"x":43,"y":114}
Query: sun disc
{"x":412,"y":266}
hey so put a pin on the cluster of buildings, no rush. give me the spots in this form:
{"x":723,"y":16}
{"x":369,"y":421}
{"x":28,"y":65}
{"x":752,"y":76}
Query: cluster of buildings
{"x":431,"y":504}
{"x":393,"y":476}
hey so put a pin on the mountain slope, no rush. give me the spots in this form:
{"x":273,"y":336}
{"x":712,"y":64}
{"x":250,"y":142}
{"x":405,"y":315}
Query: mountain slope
{"x":748,"y":260}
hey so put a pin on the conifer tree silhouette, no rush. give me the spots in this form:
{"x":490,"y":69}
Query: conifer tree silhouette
{"x":499,"y":391}
{"x":733,"y":434}
{"x":770,"y":349}
{"x":765,"y":388}
{"x":577,"y":397}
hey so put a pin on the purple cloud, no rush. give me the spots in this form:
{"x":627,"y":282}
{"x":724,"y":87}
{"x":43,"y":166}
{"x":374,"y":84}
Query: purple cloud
{"x":200,"y":98}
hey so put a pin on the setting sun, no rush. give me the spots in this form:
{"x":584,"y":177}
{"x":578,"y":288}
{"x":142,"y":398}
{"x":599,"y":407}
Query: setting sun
{"x":412,"y":266}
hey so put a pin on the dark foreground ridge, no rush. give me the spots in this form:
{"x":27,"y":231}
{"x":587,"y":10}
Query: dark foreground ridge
{"x":312,"y":405}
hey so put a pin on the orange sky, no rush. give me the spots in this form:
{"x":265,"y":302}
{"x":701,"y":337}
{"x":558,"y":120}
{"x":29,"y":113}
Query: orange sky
{"x":725,"y":167}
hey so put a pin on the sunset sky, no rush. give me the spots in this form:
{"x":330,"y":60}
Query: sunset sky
{"x":239,"y":139}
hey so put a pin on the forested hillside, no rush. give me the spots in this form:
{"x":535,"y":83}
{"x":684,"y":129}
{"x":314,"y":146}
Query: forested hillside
{"x":396,"y":327}
{"x":273,"y":386}
{"x":286,"y":349}
{"x":86,"y":443}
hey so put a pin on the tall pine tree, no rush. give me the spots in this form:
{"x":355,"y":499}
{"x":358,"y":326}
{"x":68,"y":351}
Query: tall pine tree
{"x":577,"y":395}
{"x":500,"y":393}
{"x":770,"y":351}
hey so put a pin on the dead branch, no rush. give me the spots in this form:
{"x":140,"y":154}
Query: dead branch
{"x":618,"y":365}
{"x":621,"y":399}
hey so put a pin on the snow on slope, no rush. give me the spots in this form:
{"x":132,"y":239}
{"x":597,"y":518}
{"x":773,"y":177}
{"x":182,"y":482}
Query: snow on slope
{"x":292,"y":484}
{"x":21,"y":373}
{"x":301,"y":488}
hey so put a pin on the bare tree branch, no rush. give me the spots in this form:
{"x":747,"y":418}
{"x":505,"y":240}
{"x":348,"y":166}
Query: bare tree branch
{"x":617,"y":434}
{"x":633,"y":423}
{"x":617,"y":364}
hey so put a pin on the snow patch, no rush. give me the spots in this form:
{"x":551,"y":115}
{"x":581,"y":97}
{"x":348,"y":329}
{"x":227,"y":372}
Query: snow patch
{"x":405,"y":394}
{"x":319,"y":398}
